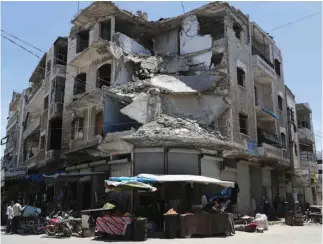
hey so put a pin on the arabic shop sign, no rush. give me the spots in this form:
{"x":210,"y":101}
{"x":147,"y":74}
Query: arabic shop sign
{"x":251,"y":147}
{"x":17,"y":171}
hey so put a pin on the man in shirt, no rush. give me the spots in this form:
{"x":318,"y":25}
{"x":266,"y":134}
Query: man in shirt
{"x":17,"y":209}
{"x":10,"y":216}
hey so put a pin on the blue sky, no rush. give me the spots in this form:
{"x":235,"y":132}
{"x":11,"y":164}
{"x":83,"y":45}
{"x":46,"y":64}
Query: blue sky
{"x":40,"y":23}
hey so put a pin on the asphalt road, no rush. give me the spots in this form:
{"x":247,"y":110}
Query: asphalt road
{"x":309,"y":234}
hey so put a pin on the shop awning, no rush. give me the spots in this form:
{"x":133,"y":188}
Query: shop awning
{"x":70,"y":177}
{"x":128,"y":185}
{"x":149,"y":178}
{"x":77,"y":175}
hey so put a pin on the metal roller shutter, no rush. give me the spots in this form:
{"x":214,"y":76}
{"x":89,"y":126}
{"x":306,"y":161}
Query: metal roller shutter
{"x":118,"y":170}
{"x":243,"y":179}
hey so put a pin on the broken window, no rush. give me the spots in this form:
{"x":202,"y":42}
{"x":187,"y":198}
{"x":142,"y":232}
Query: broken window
{"x":241,"y":77}
{"x":277,"y":67}
{"x":99,"y":124}
{"x":77,"y":129}
{"x":283,"y":139}
{"x":103,"y":76}
{"x":237,"y":30}
{"x":243,"y":121}
{"x":106,"y":30}
{"x":42,"y":142}
{"x":82,"y":41}
{"x":46,"y":103}
{"x":49,"y":66}
{"x":280,"y":103}
{"x":80,"y":84}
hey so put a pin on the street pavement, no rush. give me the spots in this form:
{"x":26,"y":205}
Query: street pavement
{"x":309,"y":234}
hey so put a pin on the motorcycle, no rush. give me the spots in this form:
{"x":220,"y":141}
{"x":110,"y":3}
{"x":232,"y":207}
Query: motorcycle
{"x":59,"y":225}
{"x":35,"y":226}
{"x":76,"y":223}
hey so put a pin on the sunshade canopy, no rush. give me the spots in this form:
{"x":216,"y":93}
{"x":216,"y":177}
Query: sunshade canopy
{"x":150,"y":178}
{"x":128,"y":185}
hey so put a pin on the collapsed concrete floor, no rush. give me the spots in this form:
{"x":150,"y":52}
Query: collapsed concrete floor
{"x":176,"y":132}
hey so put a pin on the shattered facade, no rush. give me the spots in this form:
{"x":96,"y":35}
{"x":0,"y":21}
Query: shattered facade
{"x":204,"y":89}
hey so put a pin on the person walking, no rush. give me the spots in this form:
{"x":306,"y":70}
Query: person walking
{"x":10,"y":216}
{"x":17,"y":209}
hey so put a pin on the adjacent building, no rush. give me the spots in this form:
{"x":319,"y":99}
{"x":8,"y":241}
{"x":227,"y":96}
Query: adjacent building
{"x":201,"y":93}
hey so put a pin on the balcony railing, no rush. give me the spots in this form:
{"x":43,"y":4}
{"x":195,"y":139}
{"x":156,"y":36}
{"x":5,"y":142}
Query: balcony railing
{"x":59,"y":70}
{"x":268,"y":138}
{"x":12,"y":120}
{"x":308,"y":156}
{"x":260,"y":54}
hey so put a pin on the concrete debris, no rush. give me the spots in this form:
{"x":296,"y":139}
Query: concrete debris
{"x":145,"y":107}
{"x":170,"y":131}
{"x":165,"y":84}
{"x":171,"y":84}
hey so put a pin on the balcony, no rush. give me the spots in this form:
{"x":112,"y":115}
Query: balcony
{"x":59,"y":70}
{"x":30,"y":162}
{"x":268,"y":138}
{"x":35,"y":160}
{"x":56,"y":110}
{"x":12,"y":120}
{"x":97,"y":51}
{"x":263,"y":68}
{"x":305,"y":134}
{"x":270,"y":152}
{"x":308,"y":160}
{"x":33,"y":125}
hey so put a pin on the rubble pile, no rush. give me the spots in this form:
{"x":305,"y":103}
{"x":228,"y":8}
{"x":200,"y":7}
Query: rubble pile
{"x":170,"y":131}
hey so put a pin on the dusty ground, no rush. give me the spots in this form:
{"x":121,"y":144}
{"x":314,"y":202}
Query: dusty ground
{"x":277,"y":234}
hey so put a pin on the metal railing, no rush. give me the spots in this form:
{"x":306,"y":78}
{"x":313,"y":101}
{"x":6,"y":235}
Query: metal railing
{"x":307,"y":156}
{"x":260,"y":54}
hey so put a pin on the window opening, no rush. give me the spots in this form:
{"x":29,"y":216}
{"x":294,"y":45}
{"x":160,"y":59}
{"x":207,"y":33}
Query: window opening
{"x":77,"y":129}
{"x":243,"y":121}
{"x":82,"y":41}
{"x":79,"y":84}
{"x":241,"y":77}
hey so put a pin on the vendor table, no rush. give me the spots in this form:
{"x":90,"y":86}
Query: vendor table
{"x":206,"y":224}
{"x":113,"y":225}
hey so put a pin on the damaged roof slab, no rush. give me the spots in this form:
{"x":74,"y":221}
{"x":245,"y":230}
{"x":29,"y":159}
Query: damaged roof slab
{"x":175,"y":132}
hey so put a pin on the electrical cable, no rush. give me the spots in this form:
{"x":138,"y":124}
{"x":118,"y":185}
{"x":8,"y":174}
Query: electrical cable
{"x":298,"y":20}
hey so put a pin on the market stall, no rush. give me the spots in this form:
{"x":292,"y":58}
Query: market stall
{"x":186,"y":220}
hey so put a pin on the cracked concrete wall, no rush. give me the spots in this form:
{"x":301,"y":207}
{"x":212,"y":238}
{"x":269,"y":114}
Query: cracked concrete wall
{"x":239,"y":55}
{"x":205,"y":109}
{"x":167,"y":43}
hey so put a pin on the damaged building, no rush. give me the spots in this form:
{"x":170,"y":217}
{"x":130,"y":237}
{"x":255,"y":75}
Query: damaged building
{"x":204,"y":90}
{"x":42,"y":110}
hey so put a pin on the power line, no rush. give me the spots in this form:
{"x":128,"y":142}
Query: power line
{"x":80,"y":81}
{"x":298,"y":20}
{"x":20,"y":46}
{"x":22,"y":41}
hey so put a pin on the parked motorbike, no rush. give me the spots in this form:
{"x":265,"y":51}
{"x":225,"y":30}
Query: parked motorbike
{"x":311,"y":216}
{"x":76,"y":223}
{"x":59,"y":225}
{"x":35,"y":226}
